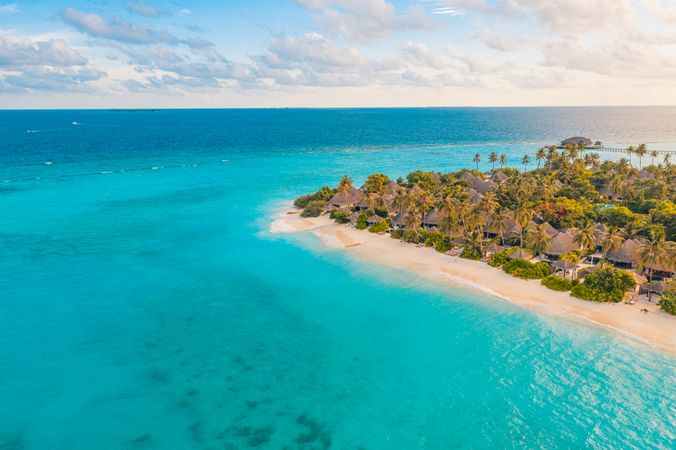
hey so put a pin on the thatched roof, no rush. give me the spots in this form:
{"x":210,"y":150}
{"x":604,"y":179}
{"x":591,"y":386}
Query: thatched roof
{"x":480,"y":185}
{"x":353,"y":217}
{"x":499,"y":176}
{"x":348,"y":198}
{"x":577,"y":140}
{"x":644,"y":174}
{"x":551,"y":231}
{"x":494,"y":248}
{"x":562,"y":243}
{"x":627,"y":253}
{"x":563,"y":264}
{"x":374,"y":219}
{"x":433,"y":218}
{"x":400,"y":220}
{"x":393,"y":188}
{"x":520,"y":254}
{"x":474,"y":196}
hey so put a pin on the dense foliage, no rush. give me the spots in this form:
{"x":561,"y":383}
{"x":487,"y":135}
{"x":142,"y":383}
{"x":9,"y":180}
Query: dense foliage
{"x":556,"y":283}
{"x":605,"y":285}
{"x":379,"y":227}
{"x":470,"y":252}
{"x":313,"y":208}
{"x":500,"y":258}
{"x":521,"y":268}
{"x":323,"y":195}
{"x":668,"y":302}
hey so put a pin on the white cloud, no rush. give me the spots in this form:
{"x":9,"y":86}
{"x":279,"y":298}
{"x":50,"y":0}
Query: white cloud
{"x":366,"y":20}
{"x":19,"y":51}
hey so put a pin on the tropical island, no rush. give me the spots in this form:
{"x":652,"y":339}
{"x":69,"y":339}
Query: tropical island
{"x":600,"y":231}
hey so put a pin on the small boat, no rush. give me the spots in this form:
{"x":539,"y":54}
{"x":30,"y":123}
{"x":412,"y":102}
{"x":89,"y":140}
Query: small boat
{"x":75,"y":123}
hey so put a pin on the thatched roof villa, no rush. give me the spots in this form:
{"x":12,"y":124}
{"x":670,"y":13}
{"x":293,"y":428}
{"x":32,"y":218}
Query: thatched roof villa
{"x":433,"y":218}
{"x":346,"y":199}
{"x":627,"y":255}
{"x":499,"y":177}
{"x":520,"y":254}
{"x":374,"y":220}
{"x":561,"y":244}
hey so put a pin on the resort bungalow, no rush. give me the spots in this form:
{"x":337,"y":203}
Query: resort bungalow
{"x":492,"y":249}
{"x":346,"y":199}
{"x":626,"y":256}
{"x":607,"y":191}
{"x":499,"y":177}
{"x":433,"y":218}
{"x":400,"y":220}
{"x":564,"y":267}
{"x":561,"y":244}
{"x":658,"y":272}
{"x":580,"y":141}
{"x":374,"y":220}
{"x":520,"y":254}
{"x":478,"y":184}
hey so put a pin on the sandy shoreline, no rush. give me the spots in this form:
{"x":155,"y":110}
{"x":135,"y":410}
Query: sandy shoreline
{"x":655,"y":328}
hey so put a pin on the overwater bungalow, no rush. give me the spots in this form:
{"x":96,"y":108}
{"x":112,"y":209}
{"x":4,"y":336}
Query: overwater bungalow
{"x":582,"y":142}
{"x":561,"y":244}
{"x":626,"y":256}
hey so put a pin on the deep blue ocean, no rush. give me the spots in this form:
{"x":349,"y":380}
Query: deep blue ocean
{"x":145,"y":305}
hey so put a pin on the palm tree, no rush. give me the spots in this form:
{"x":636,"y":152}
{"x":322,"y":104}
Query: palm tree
{"x":538,"y":239}
{"x":655,"y":253}
{"x":477,"y":160}
{"x":667,"y":159}
{"x":525,"y":161}
{"x":585,"y":237}
{"x":552,"y":153}
{"x":573,"y":151}
{"x":522,"y":215}
{"x":612,"y":241}
{"x":540,"y":155}
{"x":345,"y":184}
{"x":630,"y":151}
{"x":653,"y":155}
{"x":641,"y":151}
{"x":503,"y":160}
{"x":493,"y":158}
{"x":498,"y":224}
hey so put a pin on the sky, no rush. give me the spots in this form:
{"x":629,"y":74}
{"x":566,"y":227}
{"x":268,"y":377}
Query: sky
{"x":336,"y":53}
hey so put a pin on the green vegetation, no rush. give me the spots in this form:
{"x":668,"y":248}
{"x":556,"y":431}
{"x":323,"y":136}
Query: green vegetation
{"x":557,"y":283}
{"x":605,"y":285}
{"x":379,"y":227}
{"x":500,"y":258}
{"x":668,"y":302}
{"x":322,"y":195}
{"x":572,"y":205}
{"x":313,"y":208}
{"x":470,"y":252}
{"x":521,"y":268}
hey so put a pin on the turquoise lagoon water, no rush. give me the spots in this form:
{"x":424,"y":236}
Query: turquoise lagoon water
{"x":144,"y":304}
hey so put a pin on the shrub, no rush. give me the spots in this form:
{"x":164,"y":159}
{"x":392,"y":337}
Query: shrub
{"x":557,"y":283}
{"x":340,"y":216}
{"x":605,"y":285}
{"x":668,"y":303}
{"x":523,"y":269}
{"x":361,"y":222}
{"x":313,"y":208}
{"x":470,"y":252}
{"x":324,"y":194}
{"x":379,"y":227}
{"x":397,"y":233}
{"x":443,"y":245}
{"x":500,"y":258}
{"x":432,"y":238}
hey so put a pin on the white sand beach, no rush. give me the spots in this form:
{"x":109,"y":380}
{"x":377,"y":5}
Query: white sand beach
{"x":655,"y":328}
